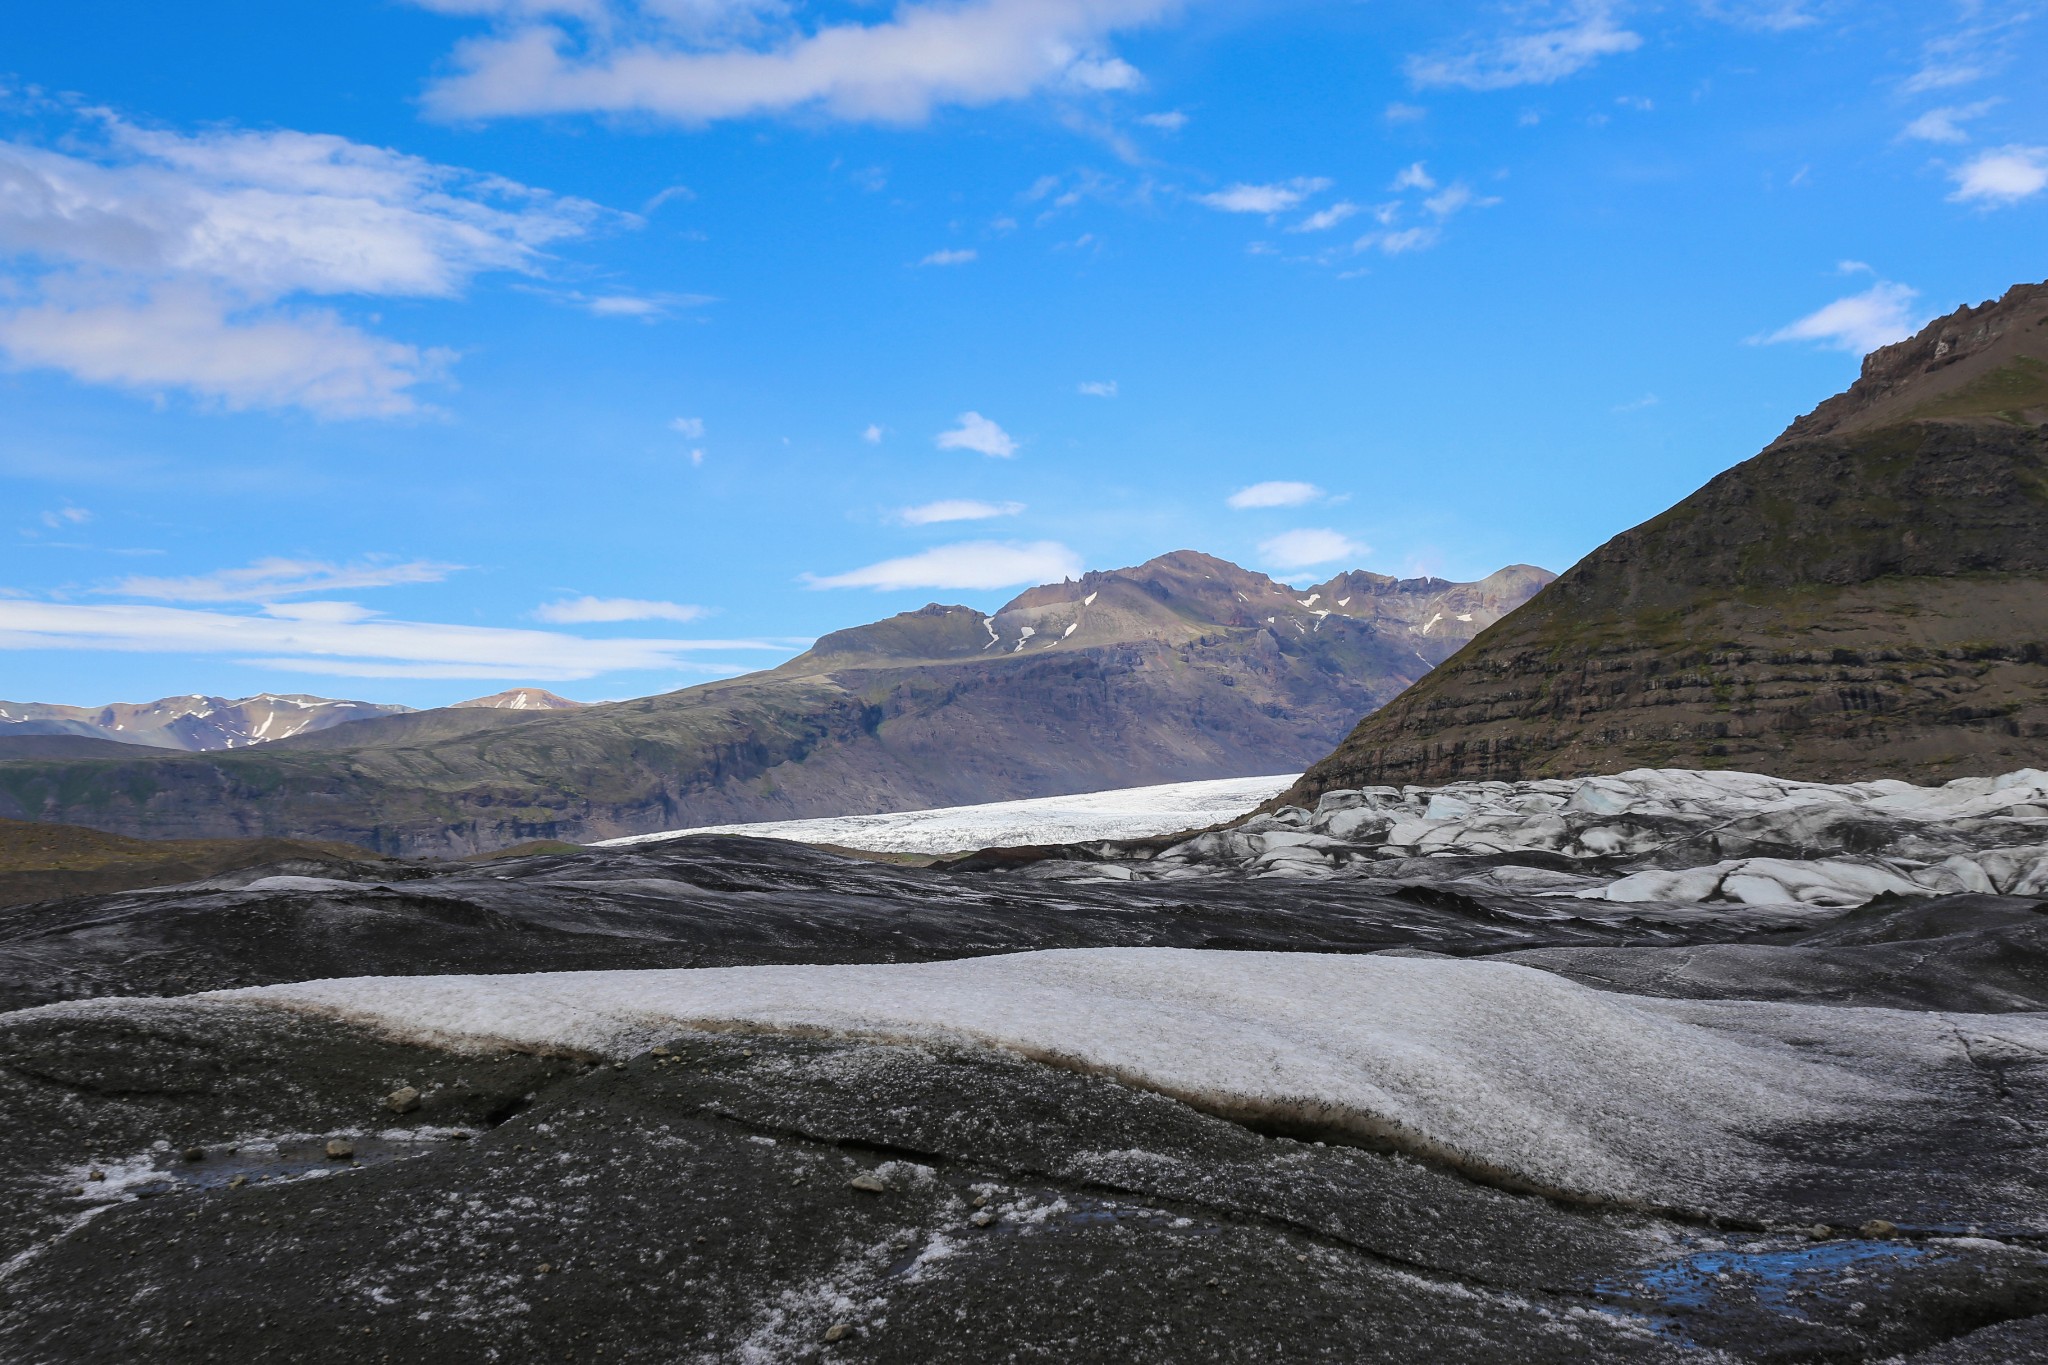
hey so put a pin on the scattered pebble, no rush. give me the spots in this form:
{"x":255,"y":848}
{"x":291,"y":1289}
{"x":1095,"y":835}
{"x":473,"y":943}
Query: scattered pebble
{"x":839,"y":1331}
{"x":403,"y":1100}
{"x":870,"y":1183}
{"x":340,"y":1149}
{"x":661,"y":1050}
{"x":238,"y":1182}
{"x":195,"y":1154}
{"x":983,"y":1217}
{"x":1878,"y":1227}
{"x":96,"y":1174}
{"x":544,"y":1268}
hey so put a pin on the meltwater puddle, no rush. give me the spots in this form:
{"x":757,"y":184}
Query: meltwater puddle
{"x":256,"y":1161}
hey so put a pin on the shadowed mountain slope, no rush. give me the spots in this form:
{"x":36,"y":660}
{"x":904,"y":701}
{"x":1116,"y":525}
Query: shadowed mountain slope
{"x":1183,"y":668}
{"x":1866,"y":598}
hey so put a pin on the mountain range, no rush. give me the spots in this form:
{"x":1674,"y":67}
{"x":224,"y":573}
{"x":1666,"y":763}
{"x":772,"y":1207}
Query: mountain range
{"x":1868,"y":597}
{"x":197,"y":724}
{"x":1182,"y":668}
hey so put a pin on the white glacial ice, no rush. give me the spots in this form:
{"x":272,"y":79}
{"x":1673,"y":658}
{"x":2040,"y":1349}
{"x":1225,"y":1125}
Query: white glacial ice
{"x":1125,"y":813}
{"x":1504,"y":1069}
{"x":1986,"y":834}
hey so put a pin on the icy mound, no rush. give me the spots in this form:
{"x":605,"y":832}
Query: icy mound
{"x":1679,"y":835}
{"x":1509,"y":1072}
{"x":1126,"y":813}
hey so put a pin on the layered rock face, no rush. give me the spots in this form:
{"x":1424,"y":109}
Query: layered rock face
{"x":1866,"y":598}
{"x":1184,"y":668}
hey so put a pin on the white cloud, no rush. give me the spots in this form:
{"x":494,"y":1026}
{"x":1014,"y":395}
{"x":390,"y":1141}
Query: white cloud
{"x":1326,"y":218}
{"x":689,"y":428}
{"x":1172,"y":121}
{"x":1398,"y":112}
{"x":268,"y":580}
{"x":183,"y":337}
{"x":1581,"y":35}
{"x":951,"y":256}
{"x":971,"y":564}
{"x":2002,"y":176}
{"x":1861,"y":323}
{"x":895,"y":70}
{"x":1275,"y":493}
{"x":161,"y":261}
{"x":66,"y":517}
{"x":1854,"y":268}
{"x":1276,"y":198}
{"x":872,"y":434}
{"x":1415,"y":177}
{"x":1454,"y":198}
{"x":342,"y":639}
{"x":1099,"y":388}
{"x":978,"y":433}
{"x":1648,"y":400}
{"x":1946,"y":124}
{"x":1395,"y":243}
{"x":578,"y":611}
{"x":957,"y":509}
{"x":1305,"y":549}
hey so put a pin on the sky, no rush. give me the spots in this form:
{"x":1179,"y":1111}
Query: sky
{"x":414,"y":349}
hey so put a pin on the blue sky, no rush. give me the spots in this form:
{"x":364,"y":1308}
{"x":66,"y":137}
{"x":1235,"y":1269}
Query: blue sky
{"x":415,"y":350}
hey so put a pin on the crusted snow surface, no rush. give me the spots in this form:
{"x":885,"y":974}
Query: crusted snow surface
{"x":1504,"y":1069}
{"x":1693,"y":836}
{"x":1125,"y":813}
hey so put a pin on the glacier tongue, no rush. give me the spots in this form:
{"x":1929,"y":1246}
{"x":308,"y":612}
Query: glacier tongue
{"x":1666,"y":836}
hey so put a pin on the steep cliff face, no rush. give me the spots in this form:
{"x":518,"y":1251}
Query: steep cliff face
{"x":1183,"y":668}
{"x":1866,"y":598}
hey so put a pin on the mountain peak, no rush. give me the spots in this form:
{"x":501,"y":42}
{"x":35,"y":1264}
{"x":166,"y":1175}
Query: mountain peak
{"x":520,"y":699}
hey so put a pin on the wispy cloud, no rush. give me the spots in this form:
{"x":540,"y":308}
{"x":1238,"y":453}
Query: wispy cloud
{"x":971,"y":564}
{"x":2006,"y":175}
{"x":689,"y":428}
{"x":1275,"y":493}
{"x":957,"y":509}
{"x":1415,"y":177}
{"x":676,"y":61}
{"x":1309,"y":547}
{"x":579,"y":611}
{"x":951,"y":256}
{"x":1169,"y":121}
{"x":1860,"y":323}
{"x":1946,"y":123}
{"x":977,"y":433}
{"x":1324,"y":219}
{"x":270,"y":580}
{"x":1574,"y":37}
{"x":872,"y":434}
{"x":342,"y":639}
{"x":1273,"y":198}
{"x":164,"y":262}
{"x":1099,"y":388}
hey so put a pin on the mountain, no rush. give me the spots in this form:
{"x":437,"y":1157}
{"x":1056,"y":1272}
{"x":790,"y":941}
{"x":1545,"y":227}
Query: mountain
{"x":522,"y":699}
{"x":1182,"y":668}
{"x":1868,"y":597}
{"x":194,"y":723}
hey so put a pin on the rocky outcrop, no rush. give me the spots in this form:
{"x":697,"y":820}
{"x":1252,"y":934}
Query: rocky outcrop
{"x":1866,"y":598}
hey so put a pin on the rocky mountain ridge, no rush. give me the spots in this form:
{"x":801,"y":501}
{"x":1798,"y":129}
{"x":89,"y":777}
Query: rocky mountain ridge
{"x":191,"y":723}
{"x":1183,"y":668}
{"x":1868,"y":597}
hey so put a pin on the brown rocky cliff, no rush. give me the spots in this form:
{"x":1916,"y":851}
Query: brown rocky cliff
{"x":1868,"y":597}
